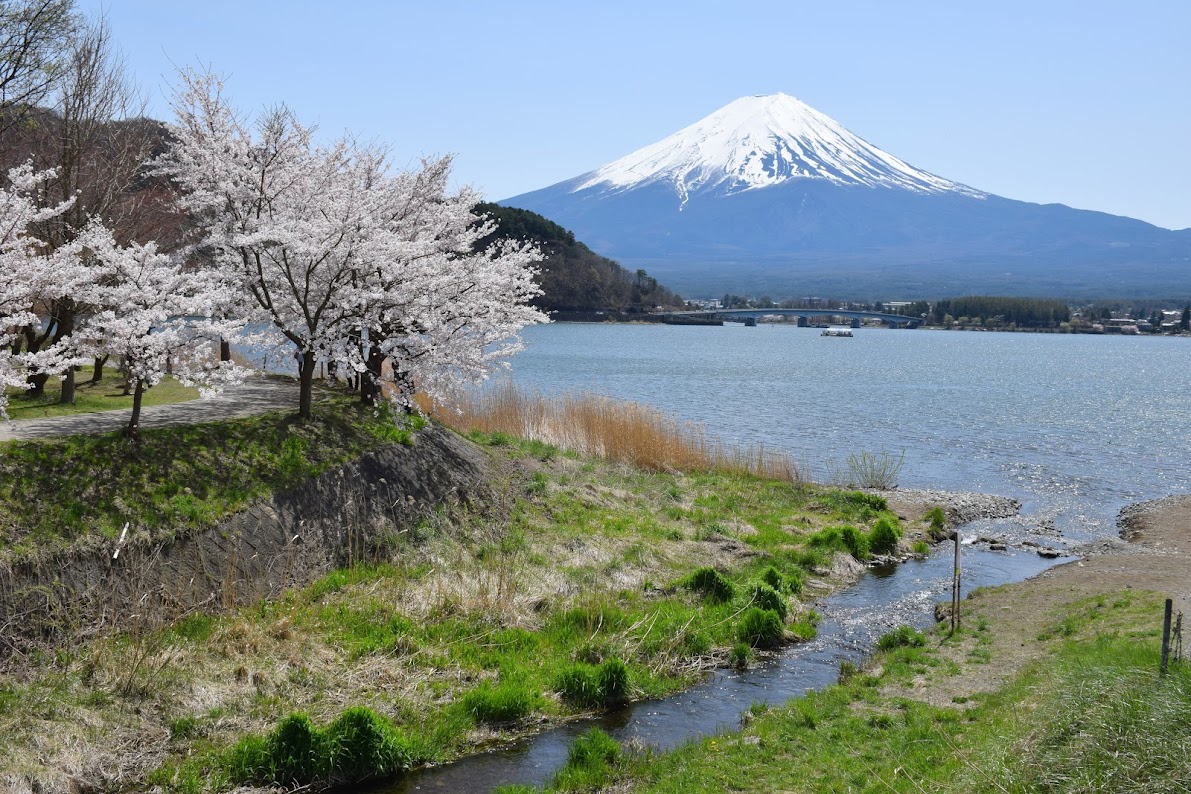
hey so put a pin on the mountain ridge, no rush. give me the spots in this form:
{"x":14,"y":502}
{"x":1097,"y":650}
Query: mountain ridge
{"x":761,"y":141}
{"x":711,"y":206}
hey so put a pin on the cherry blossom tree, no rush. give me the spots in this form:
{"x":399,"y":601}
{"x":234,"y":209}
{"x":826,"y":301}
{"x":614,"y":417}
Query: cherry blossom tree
{"x":92,"y":139}
{"x":349,"y":263}
{"x":29,"y":269}
{"x":155,"y":315}
{"x":438,"y":313}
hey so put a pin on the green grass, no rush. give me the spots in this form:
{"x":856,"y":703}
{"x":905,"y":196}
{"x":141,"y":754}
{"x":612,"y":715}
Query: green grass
{"x":1094,"y":716}
{"x":567,"y":601}
{"x":107,"y":395}
{"x":174,"y":479}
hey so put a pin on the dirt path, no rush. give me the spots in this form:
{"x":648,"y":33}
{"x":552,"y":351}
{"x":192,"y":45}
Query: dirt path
{"x":256,"y":395}
{"x":1156,"y":557}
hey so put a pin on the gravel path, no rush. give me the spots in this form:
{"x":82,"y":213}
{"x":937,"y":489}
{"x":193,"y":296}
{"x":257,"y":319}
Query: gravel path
{"x":255,"y":396}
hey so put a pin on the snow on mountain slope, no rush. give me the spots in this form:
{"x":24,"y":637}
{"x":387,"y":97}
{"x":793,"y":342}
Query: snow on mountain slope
{"x":757,"y":142}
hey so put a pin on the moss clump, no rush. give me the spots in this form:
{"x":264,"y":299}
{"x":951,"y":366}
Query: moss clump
{"x":885,"y":535}
{"x":765,"y":597}
{"x":503,"y":703}
{"x":714,"y":586}
{"x":843,"y":538}
{"x":789,"y":582}
{"x":760,"y":628}
{"x":359,"y":744}
{"x":594,"y":687}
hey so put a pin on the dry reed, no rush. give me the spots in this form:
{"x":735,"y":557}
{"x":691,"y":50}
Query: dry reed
{"x":623,"y":432}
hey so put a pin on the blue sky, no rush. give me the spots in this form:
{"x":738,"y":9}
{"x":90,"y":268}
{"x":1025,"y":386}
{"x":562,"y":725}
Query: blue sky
{"x":1082,"y":103}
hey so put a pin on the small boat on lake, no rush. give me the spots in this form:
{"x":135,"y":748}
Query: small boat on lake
{"x":836,"y":332}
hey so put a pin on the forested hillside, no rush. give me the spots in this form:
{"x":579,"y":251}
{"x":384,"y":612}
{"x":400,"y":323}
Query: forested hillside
{"x":574,"y":278}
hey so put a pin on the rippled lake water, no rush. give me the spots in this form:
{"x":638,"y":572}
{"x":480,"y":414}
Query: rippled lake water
{"x":1075,"y":426}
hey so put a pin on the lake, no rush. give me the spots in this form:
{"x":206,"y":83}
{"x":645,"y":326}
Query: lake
{"x":1074,"y":426}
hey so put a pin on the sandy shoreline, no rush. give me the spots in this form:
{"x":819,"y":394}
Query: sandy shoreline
{"x":1154,"y":556}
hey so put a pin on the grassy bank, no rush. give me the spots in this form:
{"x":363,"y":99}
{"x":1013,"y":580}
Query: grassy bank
{"x":1092,"y":715}
{"x":603,"y":582}
{"x":107,"y":395}
{"x":60,"y":491}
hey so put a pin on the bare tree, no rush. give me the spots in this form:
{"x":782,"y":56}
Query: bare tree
{"x":33,"y":43}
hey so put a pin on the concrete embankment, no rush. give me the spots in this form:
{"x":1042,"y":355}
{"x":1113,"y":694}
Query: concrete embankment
{"x":346,"y":514}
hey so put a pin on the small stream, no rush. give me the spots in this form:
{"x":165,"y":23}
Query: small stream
{"x":852,"y":620}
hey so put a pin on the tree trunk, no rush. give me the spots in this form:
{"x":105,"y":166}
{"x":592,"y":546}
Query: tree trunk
{"x":225,"y":350}
{"x":37,"y":381}
{"x":68,"y":388}
{"x":370,"y":378}
{"x":306,"y":364}
{"x":65,"y":329}
{"x":97,"y":373}
{"x":134,"y":428}
{"x":37,"y":384}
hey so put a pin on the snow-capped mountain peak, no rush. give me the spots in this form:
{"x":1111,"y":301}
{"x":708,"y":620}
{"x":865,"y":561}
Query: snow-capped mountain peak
{"x":761,"y":141}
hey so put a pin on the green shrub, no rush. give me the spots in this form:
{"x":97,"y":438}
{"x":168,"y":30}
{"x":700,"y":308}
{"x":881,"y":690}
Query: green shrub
{"x":612,"y":682}
{"x":921,"y":547}
{"x":937,"y":519}
{"x":590,"y":618}
{"x":195,"y":628}
{"x":764,"y":596}
{"x":872,"y":470}
{"x":589,"y":762}
{"x":184,"y":728}
{"x":506,"y":702}
{"x":902,"y":637}
{"x":740,"y":655}
{"x":885,"y":535}
{"x":855,"y":541}
{"x":846,"y":538}
{"x":790,"y":582}
{"x":357,"y":745}
{"x":297,"y":752}
{"x":760,"y":628}
{"x":714,"y":586}
{"x":361,"y":744}
{"x":588,"y":686}
{"x":576,"y":684}
{"x":592,"y":749}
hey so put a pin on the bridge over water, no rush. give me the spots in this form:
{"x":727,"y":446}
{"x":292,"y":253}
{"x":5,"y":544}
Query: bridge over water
{"x":750,"y":316}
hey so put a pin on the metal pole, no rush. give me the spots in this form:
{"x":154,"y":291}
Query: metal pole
{"x":1166,"y":634}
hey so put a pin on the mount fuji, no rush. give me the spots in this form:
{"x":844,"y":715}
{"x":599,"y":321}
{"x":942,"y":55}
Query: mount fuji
{"x":769,"y":196}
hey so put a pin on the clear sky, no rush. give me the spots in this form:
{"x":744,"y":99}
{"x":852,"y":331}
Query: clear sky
{"x":1085,"y":103}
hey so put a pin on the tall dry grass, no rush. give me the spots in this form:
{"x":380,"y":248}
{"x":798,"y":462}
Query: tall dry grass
{"x":623,"y":432}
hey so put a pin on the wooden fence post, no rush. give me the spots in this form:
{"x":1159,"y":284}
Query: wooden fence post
{"x":955,"y":585}
{"x":1166,"y":635}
